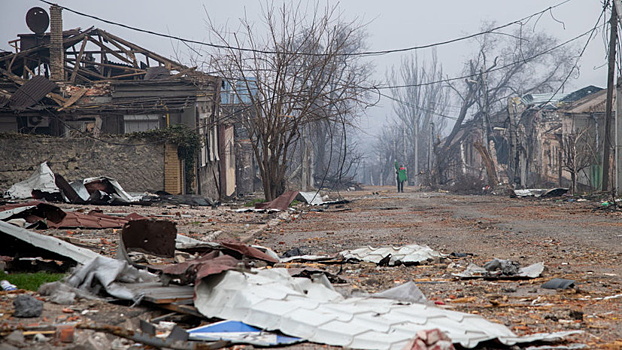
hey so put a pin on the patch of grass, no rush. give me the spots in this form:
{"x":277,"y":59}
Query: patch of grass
{"x":31,"y":281}
{"x":253,"y":202}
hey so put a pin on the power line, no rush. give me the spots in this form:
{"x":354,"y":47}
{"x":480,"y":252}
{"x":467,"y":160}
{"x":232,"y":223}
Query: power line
{"x":575,"y":66}
{"x":364,"y":53}
{"x":416,"y":106}
{"x":590,"y":32}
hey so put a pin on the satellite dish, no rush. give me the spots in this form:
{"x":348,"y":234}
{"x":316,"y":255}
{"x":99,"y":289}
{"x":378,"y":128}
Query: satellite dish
{"x":37,"y":20}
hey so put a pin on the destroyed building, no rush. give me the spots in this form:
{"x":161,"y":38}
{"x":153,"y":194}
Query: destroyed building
{"x":86,"y":91}
{"x":540,"y":140}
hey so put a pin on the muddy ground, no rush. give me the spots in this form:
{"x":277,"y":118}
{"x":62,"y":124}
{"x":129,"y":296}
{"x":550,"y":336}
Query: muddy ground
{"x":577,"y":240}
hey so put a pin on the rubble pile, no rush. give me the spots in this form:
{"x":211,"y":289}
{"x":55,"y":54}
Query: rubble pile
{"x":176,"y":282}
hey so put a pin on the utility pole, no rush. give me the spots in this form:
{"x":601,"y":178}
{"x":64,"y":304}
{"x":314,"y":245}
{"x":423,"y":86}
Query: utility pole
{"x":613,"y":38}
{"x":430,"y":146}
{"x":617,"y":4}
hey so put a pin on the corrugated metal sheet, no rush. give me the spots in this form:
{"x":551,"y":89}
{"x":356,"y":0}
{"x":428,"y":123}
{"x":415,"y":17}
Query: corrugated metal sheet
{"x":31,"y":92}
{"x":52,"y":244}
{"x":272,"y":300}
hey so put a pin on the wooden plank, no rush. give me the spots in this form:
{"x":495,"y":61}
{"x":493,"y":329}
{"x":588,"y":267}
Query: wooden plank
{"x":106,"y":49}
{"x":165,"y":61}
{"x":182,"y":309}
{"x":115,"y":43}
{"x":78,"y":60}
{"x":73,"y":99}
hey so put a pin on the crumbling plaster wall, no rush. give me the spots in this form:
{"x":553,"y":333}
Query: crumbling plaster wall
{"x":137,"y":165}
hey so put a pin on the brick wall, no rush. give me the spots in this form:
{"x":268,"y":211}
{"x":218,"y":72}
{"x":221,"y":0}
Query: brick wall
{"x":137,"y":165}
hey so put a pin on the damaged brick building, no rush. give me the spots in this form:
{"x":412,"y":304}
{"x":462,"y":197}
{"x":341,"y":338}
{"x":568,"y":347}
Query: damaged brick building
{"x":73,"y":98}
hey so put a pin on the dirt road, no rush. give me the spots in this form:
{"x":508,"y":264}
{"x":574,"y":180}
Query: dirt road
{"x":574,"y":239}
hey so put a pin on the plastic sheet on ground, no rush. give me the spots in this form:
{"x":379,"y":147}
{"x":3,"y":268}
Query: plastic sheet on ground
{"x":111,"y":275}
{"x":409,"y":254}
{"x":239,"y":332}
{"x":273,"y":300}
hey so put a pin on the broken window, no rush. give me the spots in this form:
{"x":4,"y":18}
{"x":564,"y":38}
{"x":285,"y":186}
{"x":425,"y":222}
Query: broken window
{"x":144,"y":122}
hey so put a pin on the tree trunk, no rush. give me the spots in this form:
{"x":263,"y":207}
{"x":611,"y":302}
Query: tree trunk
{"x":488,"y":163}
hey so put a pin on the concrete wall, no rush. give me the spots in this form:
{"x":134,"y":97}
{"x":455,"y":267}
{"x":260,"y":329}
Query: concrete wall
{"x":137,"y":165}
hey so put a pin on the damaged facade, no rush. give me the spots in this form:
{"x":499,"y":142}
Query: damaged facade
{"x":91,"y":84}
{"x":540,"y":140}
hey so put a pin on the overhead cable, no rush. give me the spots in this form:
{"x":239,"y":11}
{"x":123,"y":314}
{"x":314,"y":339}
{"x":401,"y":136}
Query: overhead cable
{"x":364,"y":53}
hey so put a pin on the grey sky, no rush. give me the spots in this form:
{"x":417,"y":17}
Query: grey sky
{"x":392,"y":24}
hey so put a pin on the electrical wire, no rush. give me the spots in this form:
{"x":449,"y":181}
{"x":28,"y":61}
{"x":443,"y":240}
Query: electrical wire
{"x":576,"y":64}
{"x":364,"y":53}
{"x":447,"y":80}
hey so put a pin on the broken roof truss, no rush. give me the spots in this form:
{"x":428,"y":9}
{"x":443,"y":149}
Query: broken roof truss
{"x":90,"y":55}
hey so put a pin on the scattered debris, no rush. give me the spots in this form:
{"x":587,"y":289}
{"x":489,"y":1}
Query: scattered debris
{"x":407,"y":255}
{"x":239,"y":332}
{"x":172,"y":342}
{"x":42,"y":180}
{"x":45,"y":184}
{"x":540,"y":193}
{"x":155,"y":237}
{"x":7,"y":286}
{"x":282,"y":202}
{"x":46,"y":243}
{"x":116,"y":277}
{"x":314,"y":198}
{"x":27,"y":306}
{"x":272,"y":300}
{"x":502,"y":269}
{"x":45,"y":215}
{"x":558,"y":283}
{"x":408,"y":292}
{"x":432,"y":339}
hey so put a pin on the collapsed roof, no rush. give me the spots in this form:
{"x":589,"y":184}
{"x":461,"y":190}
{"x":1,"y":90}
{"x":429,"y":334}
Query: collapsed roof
{"x":101,"y":71}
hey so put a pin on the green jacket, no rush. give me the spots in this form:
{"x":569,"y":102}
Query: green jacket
{"x":401,"y":172}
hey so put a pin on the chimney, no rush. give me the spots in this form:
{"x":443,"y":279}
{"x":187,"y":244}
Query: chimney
{"x":57,"y":51}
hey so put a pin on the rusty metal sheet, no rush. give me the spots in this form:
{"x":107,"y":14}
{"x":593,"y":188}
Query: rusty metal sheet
{"x":75,"y":219}
{"x":282,"y":202}
{"x":249,"y":251}
{"x":57,"y":218}
{"x":193,"y":271}
{"x":155,"y":237}
{"x":39,"y":209}
{"x":31,"y":92}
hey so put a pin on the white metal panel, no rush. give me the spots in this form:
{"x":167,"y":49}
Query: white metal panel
{"x":270,"y":299}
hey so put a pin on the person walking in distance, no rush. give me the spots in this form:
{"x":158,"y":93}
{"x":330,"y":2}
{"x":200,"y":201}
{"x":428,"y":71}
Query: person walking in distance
{"x":400,"y":172}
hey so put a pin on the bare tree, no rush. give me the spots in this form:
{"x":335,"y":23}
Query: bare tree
{"x":578,"y":154}
{"x":419,"y":107}
{"x":505,"y":65}
{"x":301,"y":71}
